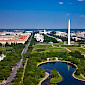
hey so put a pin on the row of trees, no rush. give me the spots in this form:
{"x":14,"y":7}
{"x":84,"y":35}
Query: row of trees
{"x":49,"y":39}
{"x":62,"y":38}
{"x":32,"y":72}
{"x":17,"y":79}
{"x":10,"y":60}
{"x":79,"y":61}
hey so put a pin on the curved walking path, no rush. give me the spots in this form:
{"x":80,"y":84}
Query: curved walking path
{"x":78,"y":78}
{"x":82,"y":76}
{"x":47,"y":74}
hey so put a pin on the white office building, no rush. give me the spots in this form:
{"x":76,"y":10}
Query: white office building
{"x":39,"y":37}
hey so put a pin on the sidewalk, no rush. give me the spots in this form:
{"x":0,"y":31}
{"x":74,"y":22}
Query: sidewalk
{"x":47,"y":74}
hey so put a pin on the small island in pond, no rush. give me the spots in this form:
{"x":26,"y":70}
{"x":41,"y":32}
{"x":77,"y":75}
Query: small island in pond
{"x":56,"y":77}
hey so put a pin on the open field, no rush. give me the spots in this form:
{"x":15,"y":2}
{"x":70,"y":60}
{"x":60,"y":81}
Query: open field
{"x":47,"y":48}
{"x":56,"y":45}
{"x":44,"y":47}
{"x":69,"y":45}
{"x":78,"y":49}
{"x":56,"y":80}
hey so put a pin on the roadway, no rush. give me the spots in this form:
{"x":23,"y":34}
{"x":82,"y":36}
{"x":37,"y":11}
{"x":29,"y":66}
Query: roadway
{"x":17,"y":66}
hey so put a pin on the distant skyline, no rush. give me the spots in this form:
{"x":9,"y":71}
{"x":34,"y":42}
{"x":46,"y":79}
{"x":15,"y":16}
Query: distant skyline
{"x":42,"y":14}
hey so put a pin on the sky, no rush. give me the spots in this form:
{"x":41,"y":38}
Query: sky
{"x":42,"y":14}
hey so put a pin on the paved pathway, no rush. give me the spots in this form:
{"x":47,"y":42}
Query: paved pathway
{"x":24,"y":69}
{"x":68,"y":49}
{"x":82,"y":76}
{"x":47,"y":74}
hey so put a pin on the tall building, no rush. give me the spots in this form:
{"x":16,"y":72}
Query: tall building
{"x":69,"y":32}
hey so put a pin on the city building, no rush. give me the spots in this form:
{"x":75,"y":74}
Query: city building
{"x":81,"y":34}
{"x":76,"y":38}
{"x":39,"y":37}
{"x":59,"y":33}
{"x":13,"y":37}
{"x":44,"y":32}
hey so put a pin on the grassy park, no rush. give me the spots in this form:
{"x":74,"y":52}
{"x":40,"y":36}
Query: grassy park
{"x":44,"y":47}
{"x":47,"y":48}
{"x":39,"y":52}
{"x":56,"y":80}
{"x":78,"y":49}
{"x":56,"y":77}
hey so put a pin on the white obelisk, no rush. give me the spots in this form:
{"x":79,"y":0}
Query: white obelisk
{"x":69,"y":32}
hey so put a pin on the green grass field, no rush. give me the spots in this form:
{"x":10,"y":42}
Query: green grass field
{"x":44,"y":47}
{"x":78,"y":49}
{"x":56,"y":80}
{"x":39,"y":48}
{"x":56,"y":45}
{"x":69,"y":45}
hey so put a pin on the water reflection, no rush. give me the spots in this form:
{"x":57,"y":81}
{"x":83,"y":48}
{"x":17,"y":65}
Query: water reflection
{"x":65,"y":70}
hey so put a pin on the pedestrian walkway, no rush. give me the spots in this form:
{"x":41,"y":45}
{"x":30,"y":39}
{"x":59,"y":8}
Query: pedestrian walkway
{"x":82,"y":76}
{"x":24,"y":69}
{"x":47,"y":74}
{"x":68,"y":49}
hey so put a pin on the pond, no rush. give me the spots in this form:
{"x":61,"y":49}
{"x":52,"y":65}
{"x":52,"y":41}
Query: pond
{"x":65,"y":71}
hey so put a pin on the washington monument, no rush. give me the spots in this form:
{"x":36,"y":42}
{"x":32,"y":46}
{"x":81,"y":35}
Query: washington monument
{"x":69,"y":32}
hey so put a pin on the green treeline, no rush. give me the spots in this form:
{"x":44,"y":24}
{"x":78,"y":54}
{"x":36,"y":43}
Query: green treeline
{"x":10,"y":60}
{"x":49,"y":39}
{"x":62,"y":38}
{"x":33,"y":74}
{"x":79,"y":60}
{"x":17,"y":79}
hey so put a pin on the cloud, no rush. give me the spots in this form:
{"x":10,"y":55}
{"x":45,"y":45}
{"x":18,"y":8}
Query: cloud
{"x":80,"y":0}
{"x":67,"y":14}
{"x":60,"y":2}
{"x":82,"y":15}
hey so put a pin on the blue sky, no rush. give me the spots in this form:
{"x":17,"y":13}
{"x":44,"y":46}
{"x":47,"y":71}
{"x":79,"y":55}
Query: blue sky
{"x":42,"y":14}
